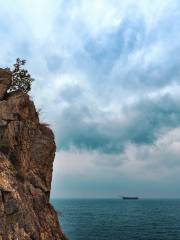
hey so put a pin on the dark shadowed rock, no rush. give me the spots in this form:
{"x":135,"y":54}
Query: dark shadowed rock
{"x":5,"y":81}
{"x":27,"y":150}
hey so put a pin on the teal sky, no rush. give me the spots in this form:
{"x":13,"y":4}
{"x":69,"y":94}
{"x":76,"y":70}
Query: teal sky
{"x":108,"y":82}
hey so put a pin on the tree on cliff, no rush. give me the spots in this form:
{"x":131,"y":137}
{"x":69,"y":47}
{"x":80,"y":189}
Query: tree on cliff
{"x":21,"y":79}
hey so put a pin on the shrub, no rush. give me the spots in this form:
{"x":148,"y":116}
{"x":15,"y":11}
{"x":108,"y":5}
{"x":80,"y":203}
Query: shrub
{"x":21,"y":79}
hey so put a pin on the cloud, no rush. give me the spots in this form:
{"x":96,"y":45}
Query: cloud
{"x":144,"y":170}
{"x":98,"y":127}
{"x":140,"y":161}
{"x":107,"y":75}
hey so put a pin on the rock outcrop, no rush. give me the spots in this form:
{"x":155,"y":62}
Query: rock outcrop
{"x":27,"y":152}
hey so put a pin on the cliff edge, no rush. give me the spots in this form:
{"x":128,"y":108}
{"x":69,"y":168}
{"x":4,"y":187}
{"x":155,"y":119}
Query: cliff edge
{"x":27,"y":150}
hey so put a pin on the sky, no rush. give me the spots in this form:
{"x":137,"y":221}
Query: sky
{"x":108,"y":83}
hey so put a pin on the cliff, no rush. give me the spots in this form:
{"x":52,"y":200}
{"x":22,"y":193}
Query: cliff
{"x":27,"y":150}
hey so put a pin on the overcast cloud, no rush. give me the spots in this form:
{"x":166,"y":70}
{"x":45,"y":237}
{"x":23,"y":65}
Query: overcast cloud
{"x":107,"y":80}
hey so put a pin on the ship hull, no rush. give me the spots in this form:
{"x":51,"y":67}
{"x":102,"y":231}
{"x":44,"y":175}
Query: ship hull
{"x":130,"y":198}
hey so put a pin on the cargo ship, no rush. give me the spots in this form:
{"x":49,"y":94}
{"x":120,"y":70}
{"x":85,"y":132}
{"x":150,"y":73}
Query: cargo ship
{"x":129,"y":198}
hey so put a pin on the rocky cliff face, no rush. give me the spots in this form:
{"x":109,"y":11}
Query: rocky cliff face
{"x":27,"y":152}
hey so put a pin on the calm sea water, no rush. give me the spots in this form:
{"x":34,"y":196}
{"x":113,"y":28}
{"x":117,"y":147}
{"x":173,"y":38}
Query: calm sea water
{"x":120,"y":220}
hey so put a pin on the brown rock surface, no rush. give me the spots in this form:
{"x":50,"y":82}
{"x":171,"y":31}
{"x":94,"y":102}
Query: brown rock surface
{"x":5,"y":81}
{"x":27,"y":152}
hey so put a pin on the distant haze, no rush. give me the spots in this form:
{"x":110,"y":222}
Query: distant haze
{"x":108,"y":83}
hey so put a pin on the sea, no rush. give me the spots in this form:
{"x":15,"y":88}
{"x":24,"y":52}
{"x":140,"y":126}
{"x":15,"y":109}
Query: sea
{"x":116,"y":219}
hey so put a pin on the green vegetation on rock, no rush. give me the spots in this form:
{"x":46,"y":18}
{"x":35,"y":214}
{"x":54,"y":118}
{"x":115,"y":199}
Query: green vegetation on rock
{"x":21,"y":79}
